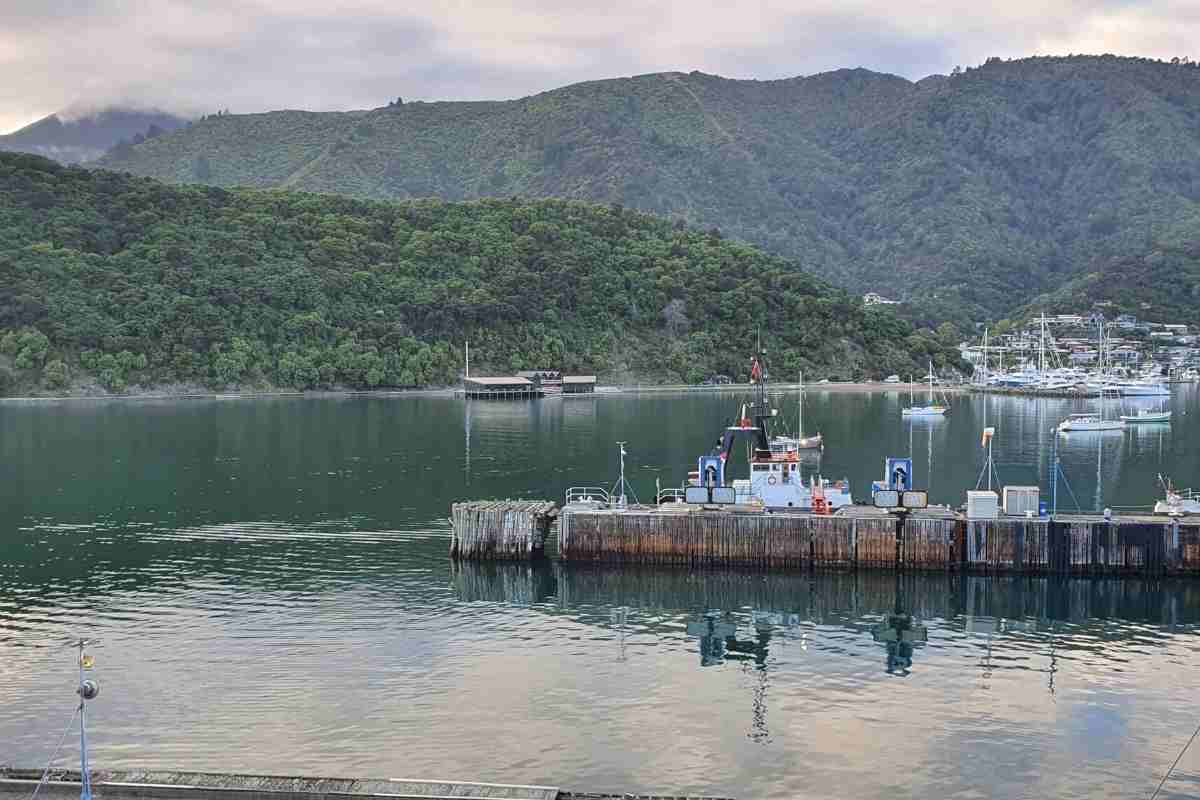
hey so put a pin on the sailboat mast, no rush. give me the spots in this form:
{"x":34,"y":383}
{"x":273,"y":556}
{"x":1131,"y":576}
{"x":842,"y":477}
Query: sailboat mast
{"x":800,"y":419}
{"x":1042,"y":348}
{"x":985,"y":355}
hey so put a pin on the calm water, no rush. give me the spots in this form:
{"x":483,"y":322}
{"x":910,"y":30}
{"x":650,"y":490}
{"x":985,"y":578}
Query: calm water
{"x":269,"y":583}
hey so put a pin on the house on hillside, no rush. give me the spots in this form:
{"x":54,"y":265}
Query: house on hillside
{"x":873,"y":299}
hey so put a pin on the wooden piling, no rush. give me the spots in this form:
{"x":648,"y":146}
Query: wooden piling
{"x":1008,"y":545}
{"x":875,"y":542}
{"x":690,"y":537}
{"x":501,"y":530}
{"x":932,"y":543}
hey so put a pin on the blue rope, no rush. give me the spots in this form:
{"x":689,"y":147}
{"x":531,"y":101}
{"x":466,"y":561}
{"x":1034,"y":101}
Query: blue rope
{"x":54,"y":755}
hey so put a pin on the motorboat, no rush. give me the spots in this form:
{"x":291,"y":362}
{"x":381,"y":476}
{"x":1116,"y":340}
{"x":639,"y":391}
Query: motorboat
{"x":1146,"y":415}
{"x":1176,"y":503}
{"x":1140,"y":388}
{"x":1163,"y":414}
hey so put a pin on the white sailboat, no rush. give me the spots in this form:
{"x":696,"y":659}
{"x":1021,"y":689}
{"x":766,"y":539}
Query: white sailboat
{"x":1090,"y":421}
{"x":932,"y":409}
{"x":800,"y":441}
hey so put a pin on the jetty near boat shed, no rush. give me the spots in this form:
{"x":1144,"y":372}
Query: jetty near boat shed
{"x":529,"y":384}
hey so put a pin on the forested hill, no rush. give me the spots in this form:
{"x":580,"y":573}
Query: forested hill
{"x":116,"y":280}
{"x":977,"y":190}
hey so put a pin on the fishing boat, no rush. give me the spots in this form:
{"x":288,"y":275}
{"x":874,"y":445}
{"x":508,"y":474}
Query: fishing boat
{"x":800,"y":441}
{"x":1176,"y":503}
{"x":775,"y":480}
{"x":932,"y":409}
{"x":1147,"y":415}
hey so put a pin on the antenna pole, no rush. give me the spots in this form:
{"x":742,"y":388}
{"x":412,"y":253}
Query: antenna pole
{"x":1054,"y":491}
{"x":621,"y":484}
{"x":990,"y":467}
{"x":85,"y":778}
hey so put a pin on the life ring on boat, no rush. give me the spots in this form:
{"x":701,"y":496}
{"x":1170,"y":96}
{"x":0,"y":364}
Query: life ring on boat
{"x":771,"y":479}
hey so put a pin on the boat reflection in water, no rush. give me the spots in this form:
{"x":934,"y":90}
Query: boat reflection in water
{"x":737,"y":615}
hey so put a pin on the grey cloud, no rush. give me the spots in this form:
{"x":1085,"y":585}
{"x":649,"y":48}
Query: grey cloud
{"x":193,"y":56}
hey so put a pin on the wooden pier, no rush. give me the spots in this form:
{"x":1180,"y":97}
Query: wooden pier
{"x":501,"y":530}
{"x":1067,"y":545}
{"x":696,"y":536}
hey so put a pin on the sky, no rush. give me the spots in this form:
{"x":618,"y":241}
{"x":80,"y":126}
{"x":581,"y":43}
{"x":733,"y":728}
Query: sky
{"x":198,"y":56}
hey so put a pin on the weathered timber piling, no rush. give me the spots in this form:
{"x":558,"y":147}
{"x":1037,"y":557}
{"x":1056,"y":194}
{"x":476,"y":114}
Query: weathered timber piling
{"x":1084,"y":545}
{"x":1008,"y":545}
{"x":932,"y":543}
{"x":501,"y":530}
{"x":688,"y":537}
{"x":695,"y":536}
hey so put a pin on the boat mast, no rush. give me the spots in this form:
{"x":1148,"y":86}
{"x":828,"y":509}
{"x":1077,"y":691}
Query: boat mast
{"x":1042,"y":348}
{"x":985,"y":356}
{"x":800,"y":419}
{"x":931,"y":382}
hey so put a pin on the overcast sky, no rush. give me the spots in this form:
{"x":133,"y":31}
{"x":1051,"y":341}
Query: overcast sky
{"x":256,"y":55}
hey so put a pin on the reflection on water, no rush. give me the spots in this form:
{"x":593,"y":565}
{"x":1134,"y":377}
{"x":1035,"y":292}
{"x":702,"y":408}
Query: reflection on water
{"x":270,"y":584}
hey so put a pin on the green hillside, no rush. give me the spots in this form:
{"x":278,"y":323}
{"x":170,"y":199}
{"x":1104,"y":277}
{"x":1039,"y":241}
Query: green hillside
{"x":119,"y":281}
{"x":1163,"y":286}
{"x":974,"y":191}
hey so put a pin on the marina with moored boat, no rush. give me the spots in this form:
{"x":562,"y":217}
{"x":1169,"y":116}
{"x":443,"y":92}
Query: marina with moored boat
{"x":782,"y":513}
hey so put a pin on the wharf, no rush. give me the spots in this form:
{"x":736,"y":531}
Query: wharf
{"x":1030,"y":392}
{"x":857,"y":538}
{"x":20,"y":784}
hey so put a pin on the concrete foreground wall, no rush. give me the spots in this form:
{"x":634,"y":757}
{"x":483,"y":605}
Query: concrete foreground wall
{"x":19,"y":784}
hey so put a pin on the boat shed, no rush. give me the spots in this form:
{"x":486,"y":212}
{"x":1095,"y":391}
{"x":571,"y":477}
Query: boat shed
{"x":500,"y":387}
{"x":578,"y":384}
{"x":548,"y":380}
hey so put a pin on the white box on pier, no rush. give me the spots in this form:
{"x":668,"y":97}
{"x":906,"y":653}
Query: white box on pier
{"x":1019,"y":500}
{"x":983,"y":505}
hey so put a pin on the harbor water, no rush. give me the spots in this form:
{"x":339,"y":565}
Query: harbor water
{"x":269,"y":585}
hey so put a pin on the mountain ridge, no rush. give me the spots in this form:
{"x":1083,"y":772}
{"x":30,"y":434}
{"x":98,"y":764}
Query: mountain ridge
{"x":973,"y":192}
{"x":82,"y":137}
